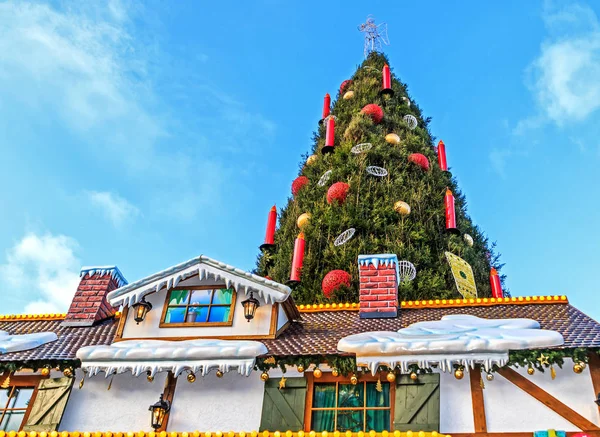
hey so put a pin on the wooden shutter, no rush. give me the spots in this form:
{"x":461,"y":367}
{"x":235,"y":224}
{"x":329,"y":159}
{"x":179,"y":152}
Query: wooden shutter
{"x":49,"y":404}
{"x":417,"y":405}
{"x":284,"y":409}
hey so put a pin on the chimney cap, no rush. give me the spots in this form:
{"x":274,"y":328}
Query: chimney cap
{"x":113,"y":271}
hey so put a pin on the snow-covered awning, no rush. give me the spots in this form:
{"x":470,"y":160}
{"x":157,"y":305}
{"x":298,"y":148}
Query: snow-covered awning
{"x":16,"y":343}
{"x":198,"y":356}
{"x":455,"y":339}
{"x":205,"y":268}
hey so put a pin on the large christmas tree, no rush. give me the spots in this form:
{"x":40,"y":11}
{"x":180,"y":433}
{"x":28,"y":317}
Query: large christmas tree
{"x":371,"y":206}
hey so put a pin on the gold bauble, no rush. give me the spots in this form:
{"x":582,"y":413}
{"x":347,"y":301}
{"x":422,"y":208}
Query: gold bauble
{"x":530,"y":370}
{"x":582,"y":364}
{"x":391,"y":376}
{"x":489,"y":376}
{"x":219,"y":374}
{"x":45,"y":371}
{"x":353,"y":380}
{"x":264,"y":376}
{"x":150,"y":378}
{"x":300,"y":368}
{"x":468,"y":240}
{"x":348,"y":95}
{"x":392,"y":138}
{"x":303,"y":220}
{"x":459,"y":374}
{"x":402,"y":208}
{"x":317,"y":373}
{"x":68,"y":372}
{"x":335,"y":372}
{"x":577,"y":368}
{"x":191,"y":378}
{"x":414,"y":376}
{"x":311,"y":159}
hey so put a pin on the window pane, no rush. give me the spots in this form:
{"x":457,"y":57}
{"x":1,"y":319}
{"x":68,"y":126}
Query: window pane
{"x":323,"y":421}
{"x":175,"y":315}
{"x":201,"y":297}
{"x":378,"y":420}
{"x":378,"y":399}
{"x":219,"y":314}
{"x":22,"y":397}
{"x":4,"y":394}
{"x":350,"y":396}
{"x":350,"y":420}
{"x":12,"y":421}
{"x":178,"y":297}
{"x":324,"y":396}
{"x":197,"y":315}
{"x":223,"y":296}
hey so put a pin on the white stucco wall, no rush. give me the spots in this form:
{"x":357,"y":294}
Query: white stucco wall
{"x":149,"y":328}
{"x":510,"y":409}
{"x":281,"y":317}
{"x":456,"y":407}
{"x":122,"y":408}
{"x":230,"y":403}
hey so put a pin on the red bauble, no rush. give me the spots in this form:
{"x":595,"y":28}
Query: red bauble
{"x":374,"y":111}
{"x":298,"y":184}
{"x":345,"y":84}
{"x":338,"y":192}
{"x":333,"y":280}
{"x":419,"y":159}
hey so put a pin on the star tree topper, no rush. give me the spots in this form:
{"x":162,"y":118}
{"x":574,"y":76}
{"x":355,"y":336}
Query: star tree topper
{"x":375,"y":35}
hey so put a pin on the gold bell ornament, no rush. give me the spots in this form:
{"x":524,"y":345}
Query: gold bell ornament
{"x":392,"y":138}
{"x":530,"y":370}
{"x":219,"y":374}
{"x":300,"y":368}
{"x":264,"y":376}
{"x":317,"y":373}
{"x":391,"y":376}
{"x":402,"y":208}
{"x":459,"y":373}
{"x":191,"y":377}
{"x":335,"y":372}
{"x":353,"y":380}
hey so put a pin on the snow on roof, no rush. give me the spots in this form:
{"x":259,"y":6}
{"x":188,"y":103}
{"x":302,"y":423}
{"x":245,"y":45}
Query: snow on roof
{"x":205,"y":268}
{"x":198,"y":356}
{"x":113,"y":271}
{"x":15,"y":343}
{"x":455,"y":339}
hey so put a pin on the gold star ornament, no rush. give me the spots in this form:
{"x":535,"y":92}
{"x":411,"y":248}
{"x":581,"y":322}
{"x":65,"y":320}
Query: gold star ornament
{"x":543,"y":359}
{"x":282,"y":382}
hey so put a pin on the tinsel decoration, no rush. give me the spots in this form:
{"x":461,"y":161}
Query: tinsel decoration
{"x":334,"y":280}
{"x":299,"y":183}
{"x":344,"y":237}
{"x":337,"y":193}
{"x":380,"y":172}
{"x":361,"y":148}
{"x":345,"y":84}
{"x":374,"y":111}
{"x":6,"y":382}
{"x":411,"y":121}
{"x":419,"y":159}
{"x":323,"y":180}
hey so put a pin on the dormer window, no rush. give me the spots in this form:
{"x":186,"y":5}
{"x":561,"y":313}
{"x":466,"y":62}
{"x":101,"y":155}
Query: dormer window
{"x":199,"y":306}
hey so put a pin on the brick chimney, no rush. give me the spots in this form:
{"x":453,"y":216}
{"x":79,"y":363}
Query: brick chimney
{"x":89,"y":304}
{"x":378,"y":286}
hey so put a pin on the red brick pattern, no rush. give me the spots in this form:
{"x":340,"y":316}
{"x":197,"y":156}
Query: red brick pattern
{"x":90,"y":304}
{"x":378,"y":291}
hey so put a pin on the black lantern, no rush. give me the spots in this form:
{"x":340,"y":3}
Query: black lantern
{"x":141,"y":309}
{"x":598,"y":400}
{"x":159,"y":411}
{"x":250,"y":306}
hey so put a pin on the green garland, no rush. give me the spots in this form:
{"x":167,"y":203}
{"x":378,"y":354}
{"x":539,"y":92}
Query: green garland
{"x":346,"y":364}
{"x":35,"y":365}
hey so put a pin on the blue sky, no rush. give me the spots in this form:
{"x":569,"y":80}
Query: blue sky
{"x":143,"y":134}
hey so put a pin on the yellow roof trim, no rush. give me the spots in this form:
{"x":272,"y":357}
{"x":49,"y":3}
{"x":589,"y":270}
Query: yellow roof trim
{"x":221,"y":434}
{"x":36,"y":317}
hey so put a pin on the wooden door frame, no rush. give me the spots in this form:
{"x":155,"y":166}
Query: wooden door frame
{"x":24,"y":381}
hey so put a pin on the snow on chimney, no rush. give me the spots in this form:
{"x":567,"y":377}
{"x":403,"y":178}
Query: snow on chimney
{"x":378,"y":286}
{"x":89,"y":304}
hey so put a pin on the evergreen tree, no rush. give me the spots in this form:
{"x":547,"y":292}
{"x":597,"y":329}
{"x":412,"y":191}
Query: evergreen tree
{"x":419,"y":237}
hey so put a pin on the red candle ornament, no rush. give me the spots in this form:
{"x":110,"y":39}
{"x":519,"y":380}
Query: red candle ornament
{"x":386,"y":87}
{"x":496,"y":284}
{"x":270,"y":234}
{"x":330,"y":136}
{"x":326,"y":107}
{"x":298,"y":258}
{"x":450,"y":213}
{"x":441,"y":153}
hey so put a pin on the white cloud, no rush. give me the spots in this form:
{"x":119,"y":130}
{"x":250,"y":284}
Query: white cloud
{"x":565,"y":77}
{"x":117,"y":209}
{"x":45,"y":269}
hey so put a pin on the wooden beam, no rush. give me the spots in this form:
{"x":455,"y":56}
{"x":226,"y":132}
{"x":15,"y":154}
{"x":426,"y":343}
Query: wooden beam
{"x":477,"y":400}
{"x":548,"y":400}
{"x":594,"y":365}
{"x":168,"y":394}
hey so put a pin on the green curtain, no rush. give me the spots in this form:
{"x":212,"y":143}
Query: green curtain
{"x":324,"y":397}
{"x":378,"y":420}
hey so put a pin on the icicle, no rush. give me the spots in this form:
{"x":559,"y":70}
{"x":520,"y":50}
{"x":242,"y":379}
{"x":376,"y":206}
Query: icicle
{"x":110,"y":383}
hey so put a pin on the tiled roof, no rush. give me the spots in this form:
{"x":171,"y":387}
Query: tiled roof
{"x":69,"y":338}
{"x":319,"y":332}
